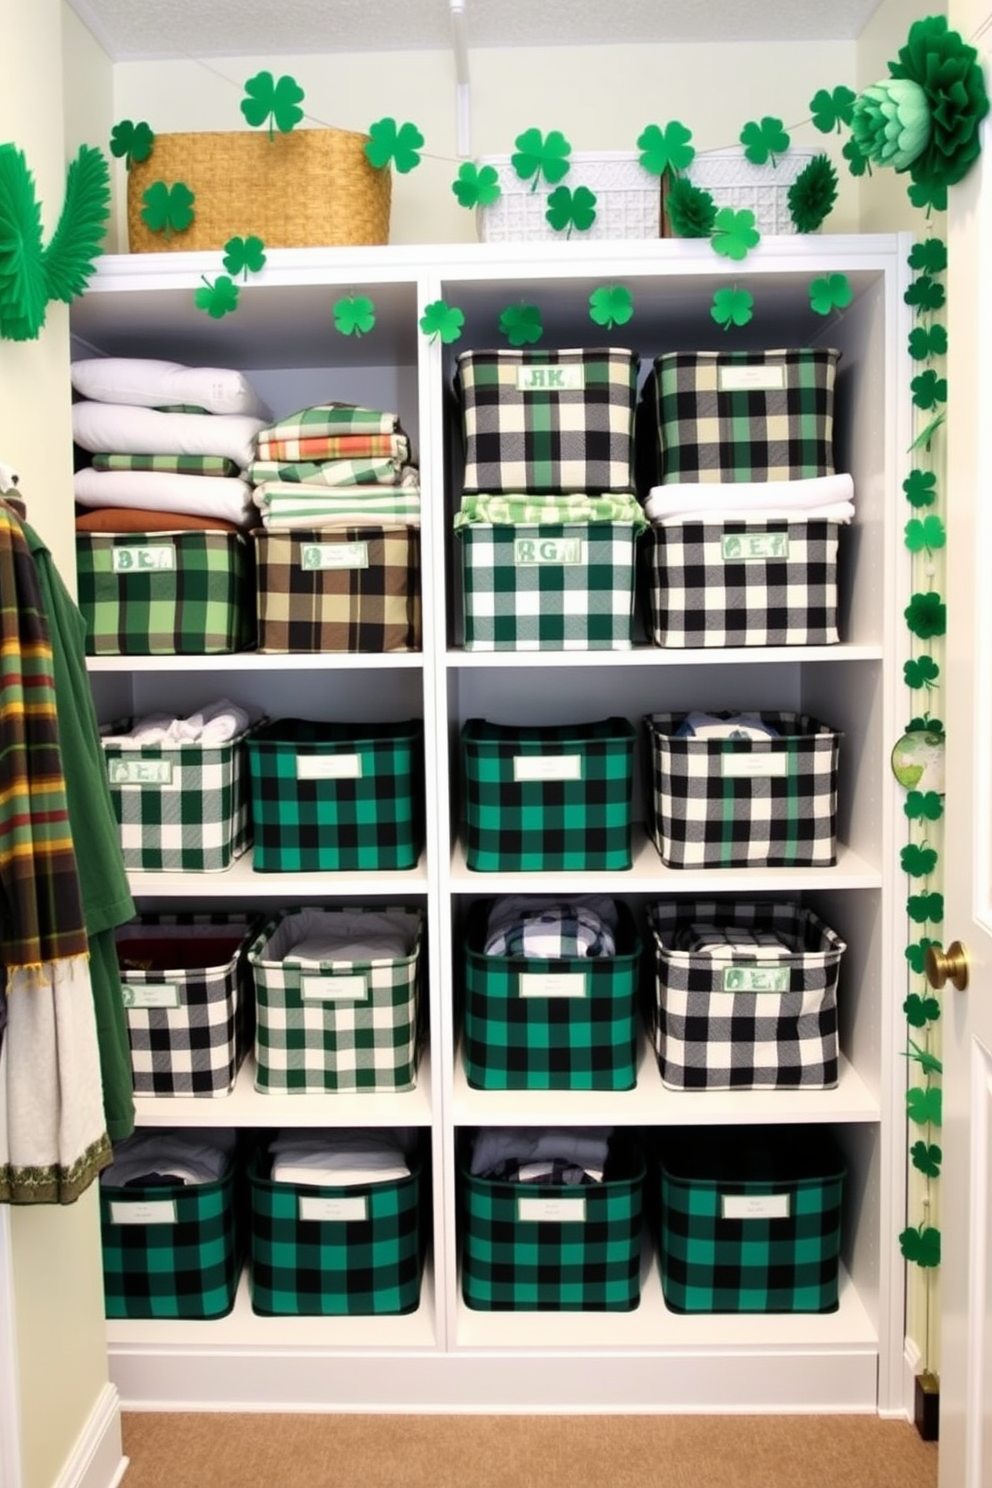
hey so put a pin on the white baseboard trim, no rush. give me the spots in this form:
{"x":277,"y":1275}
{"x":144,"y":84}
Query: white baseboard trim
{"x":97,"y":1460}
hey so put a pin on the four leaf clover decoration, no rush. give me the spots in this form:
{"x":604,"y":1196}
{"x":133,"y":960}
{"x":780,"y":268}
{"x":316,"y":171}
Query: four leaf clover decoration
{"x":244,"y":256}
{"x":538,"y":155}
{"x":568,"y":209}
{"x":168,"y":209}
{"x":277,"y":103}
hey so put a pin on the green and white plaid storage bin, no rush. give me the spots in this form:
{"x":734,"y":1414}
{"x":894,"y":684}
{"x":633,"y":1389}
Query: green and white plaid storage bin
{"x":740,"y":415}
{"x":554,"y":1247}
{"x":551,"y":1024}
{"x":333,"y":797}
{"x":536,"y":420}
{"x":740,"y":803}
{"x":187,"y":1001}
{"x":171,"y":1251}
{"x":751,"y":1220}
{"x":554,"y":587}
{"x":315,"y":1251}
{"x":180,"y":807}
{"x":746,"y":996}
{"x":166,"y":593}
{"x":341,"y":1025}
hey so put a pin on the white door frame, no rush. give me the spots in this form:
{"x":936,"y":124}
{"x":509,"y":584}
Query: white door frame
{"x":10,"y":1398}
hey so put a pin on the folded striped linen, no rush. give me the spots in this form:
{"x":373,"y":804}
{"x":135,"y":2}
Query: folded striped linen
{"x":331,"y":418}
{"x":577,"y":506}
{"x":212,"y":465}
{"x":335,"y":447}
{"x":302,"y":506}
{"x":720,"y":500}
{"x":228,"y":498}
{"x":357,"y":472}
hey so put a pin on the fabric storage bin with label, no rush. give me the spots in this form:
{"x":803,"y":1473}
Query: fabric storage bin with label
{"x":337,"y":1020}
{"x":742,"y":583}
{"x":751,"y":1219}
{"x":554,"y":1247}
{"x":547,"y":797}
{"x":744,"y":802}
{"x":746,"y":996}
{"x":548,"y":420}
{"x":187,"y":1001}
{"x":171,"y":1250}
{"x":331,"y":797}
{"x":329,"y":1251}
{"x":554,"y":587}
{"x":180,"y":807}
{"x":565,"y":1022}
{"x":166,"y":593}
{"x":351,"y":588}
{"x":740,"y":415}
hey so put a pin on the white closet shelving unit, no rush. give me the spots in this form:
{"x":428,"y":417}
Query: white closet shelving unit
{"x":446,"y":1356}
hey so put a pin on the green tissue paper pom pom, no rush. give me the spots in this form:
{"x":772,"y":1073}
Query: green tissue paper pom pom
{"x":891,"y":123}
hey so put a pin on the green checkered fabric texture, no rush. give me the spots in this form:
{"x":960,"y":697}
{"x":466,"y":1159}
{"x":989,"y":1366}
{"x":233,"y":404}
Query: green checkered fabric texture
{"x":166,"y":594}
{"x":558,"y":1264}
{"x":554,"y":587}
{"x":181,"y":807}
{"x":751,"y":1220}
{"x":743,"y":415}
{"x":174,"y":464}
{"x":351,"y":1026}
{"x":308,"y":1262}
{"x":581,"y":1034}
{"x":329,"y":797}
{"x":184,"y":1264}
{"x":547,"y":797}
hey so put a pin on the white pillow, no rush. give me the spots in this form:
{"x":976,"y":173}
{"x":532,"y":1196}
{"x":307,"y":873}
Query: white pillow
{"x":160,"y":491}
{"x":149,"y":384}
{"x":119,"y":429}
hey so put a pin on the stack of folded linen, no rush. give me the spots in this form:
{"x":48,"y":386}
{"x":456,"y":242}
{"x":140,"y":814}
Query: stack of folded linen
{"x":172,"y":1158}
{"x":827,"y":498}
{"x":168,"y":444}
{"x":334,"y":463}
{"x":545,"y":1155}
{"x":337,"y":1158}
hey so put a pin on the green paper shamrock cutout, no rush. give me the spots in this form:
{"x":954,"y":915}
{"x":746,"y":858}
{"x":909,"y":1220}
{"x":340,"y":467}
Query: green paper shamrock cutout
{"x":762,"y":142}
{"x":734,"y":233}
{"x":923,"y":806}
{"x":921,"y":1010}
{"x":916,"y":954}
{"x":521,"y":324}
{"x":922,"y":672}
{"x":441,"y":320}
{"x":244,"y":256}
{"x":538,"y":156}
{"x":666,"y":149}
{"x":219,"y":298}
{"x":732,"y":306}
{"x":168,"y":209}
{"x":354,"y":315}
{"x":833,"y":292}
{"x":921,"y":1247}
{"x":132,"y":141}
{"x":925,"y":294}
{"x":925,"y":726}
{"x":611,"y":305}
{"x":271,"y":101}
{"x":927,"y":341}
{"x":924,"y":1107}
{"x":832,"y":109}
{"x":569,"y":209}
{"x":389,"y":143}
{"x":930,"y":195}
{"x":929,"y":1063}
{"x":920,"y":487}
{"x":928,"y":389}
{"x":857,"y":163}
{"x":916,"y":861}
{"x":924,"y":439}
{"x":926,"y":615}
{"x":929,"y":534}
{"x":477,"y":186}
{"x":930,"y":256}
{"x":927,"y":1158}
{"x":925,"y":907}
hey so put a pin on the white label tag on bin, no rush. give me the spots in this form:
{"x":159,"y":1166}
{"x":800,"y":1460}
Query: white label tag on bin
{"x":551,"y":1211}
{"x":547,"y":767}
{"x":151,"y":994}
{"x":740,"y":766}
{"x":140,"y":1212}
{"x":140,"y":772}
{"x":552,"y":984}
{"x":334,"y":988}
{"x":529,"y":552}
{"x":755,"y":979}
{"x":551,"y":379}
{"x":333,"y":1211}
{"x":328,"y":767}
{"x":315,"y":556}
{"x":160,"y":559}
{"x":755,"y":1206}
{"x":754,"y":547}
{"x":757,"y":378}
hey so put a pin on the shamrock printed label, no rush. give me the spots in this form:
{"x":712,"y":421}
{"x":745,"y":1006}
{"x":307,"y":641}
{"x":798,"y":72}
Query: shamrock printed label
{"x":570,"y":379}
{"x":160,"y":559}
{"x":151,"y":994}
{"x":756,"y":979}
{"x":757,"y":378}
{"x":753,"y":547}
{"x":316,"y":556}
{"x":140,"y":772}
{"x":529,"y":552}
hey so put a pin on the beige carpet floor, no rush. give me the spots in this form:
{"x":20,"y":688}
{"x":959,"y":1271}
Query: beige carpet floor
{"x":192,"y":1450}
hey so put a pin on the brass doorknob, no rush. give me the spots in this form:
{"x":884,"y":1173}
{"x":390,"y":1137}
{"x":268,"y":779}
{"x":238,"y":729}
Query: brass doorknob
{"x":947,"y":966}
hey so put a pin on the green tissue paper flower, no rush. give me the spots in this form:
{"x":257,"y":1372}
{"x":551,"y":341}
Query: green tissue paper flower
{"x":476,"y":186}
{"x":891,"y":123}
{"x":691,"y":211}
{"x":950,"y":75}
{"x":23,"y":293}
{"x":812,"y":195}
{"x":568,"y":209}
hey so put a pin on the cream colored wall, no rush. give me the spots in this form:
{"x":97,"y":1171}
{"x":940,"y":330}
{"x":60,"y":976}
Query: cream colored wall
{"x":87,"y":97}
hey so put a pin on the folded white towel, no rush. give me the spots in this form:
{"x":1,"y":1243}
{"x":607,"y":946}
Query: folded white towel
{"x":339,"y":1158}
{"x":216,"y":724}
{"x":837,"y":511}
{"x":315,"y":950}
{"x":688,"y":499}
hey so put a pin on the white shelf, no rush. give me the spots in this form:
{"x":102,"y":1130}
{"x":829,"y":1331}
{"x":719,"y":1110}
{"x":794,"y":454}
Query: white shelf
{"x":239,"y":881}
{"x":649,"y":656}
{"x":258,"y":661}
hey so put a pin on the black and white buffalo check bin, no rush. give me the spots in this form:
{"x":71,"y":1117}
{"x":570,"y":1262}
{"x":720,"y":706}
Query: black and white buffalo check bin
{"x":746,"y":996}
{"x":548,"y":420}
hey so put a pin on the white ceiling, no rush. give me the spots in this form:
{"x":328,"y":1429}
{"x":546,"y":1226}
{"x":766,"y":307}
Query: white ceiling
{"x":132,"y":30}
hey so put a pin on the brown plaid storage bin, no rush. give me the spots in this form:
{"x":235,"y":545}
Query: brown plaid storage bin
{"x":339,"y":589}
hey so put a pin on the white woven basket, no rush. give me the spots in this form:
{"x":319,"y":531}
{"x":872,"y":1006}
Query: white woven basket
{"x":628,"y":201}
{"x":733,"y":181}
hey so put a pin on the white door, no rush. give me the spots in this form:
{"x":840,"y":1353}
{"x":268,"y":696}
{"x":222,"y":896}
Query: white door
{"x":966,"y":1190}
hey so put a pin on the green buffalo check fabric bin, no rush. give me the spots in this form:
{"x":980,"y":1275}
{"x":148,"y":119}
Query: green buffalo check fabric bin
{"x":551,"y":1023}
{"x":166,"y":593}
{"x":751,"y":1220}
{"x":331,"y":797}
{"x":180,"y":807}
{"x":535,"y":420}
{"x":540,"y":797}
{"x":554,"y":1247}
{"x":337,"y":999}
{"x":321,"y":1250}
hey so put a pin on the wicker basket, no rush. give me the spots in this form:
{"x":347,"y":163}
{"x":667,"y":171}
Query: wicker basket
{"x":733,"y":181}
{"x":307,"y":188}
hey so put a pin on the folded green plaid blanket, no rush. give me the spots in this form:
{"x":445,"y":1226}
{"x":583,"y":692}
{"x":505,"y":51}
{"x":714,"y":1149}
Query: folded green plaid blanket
{"x":174,"y":464}
{"x":533,"y":510}
{"x":354,"y":472}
